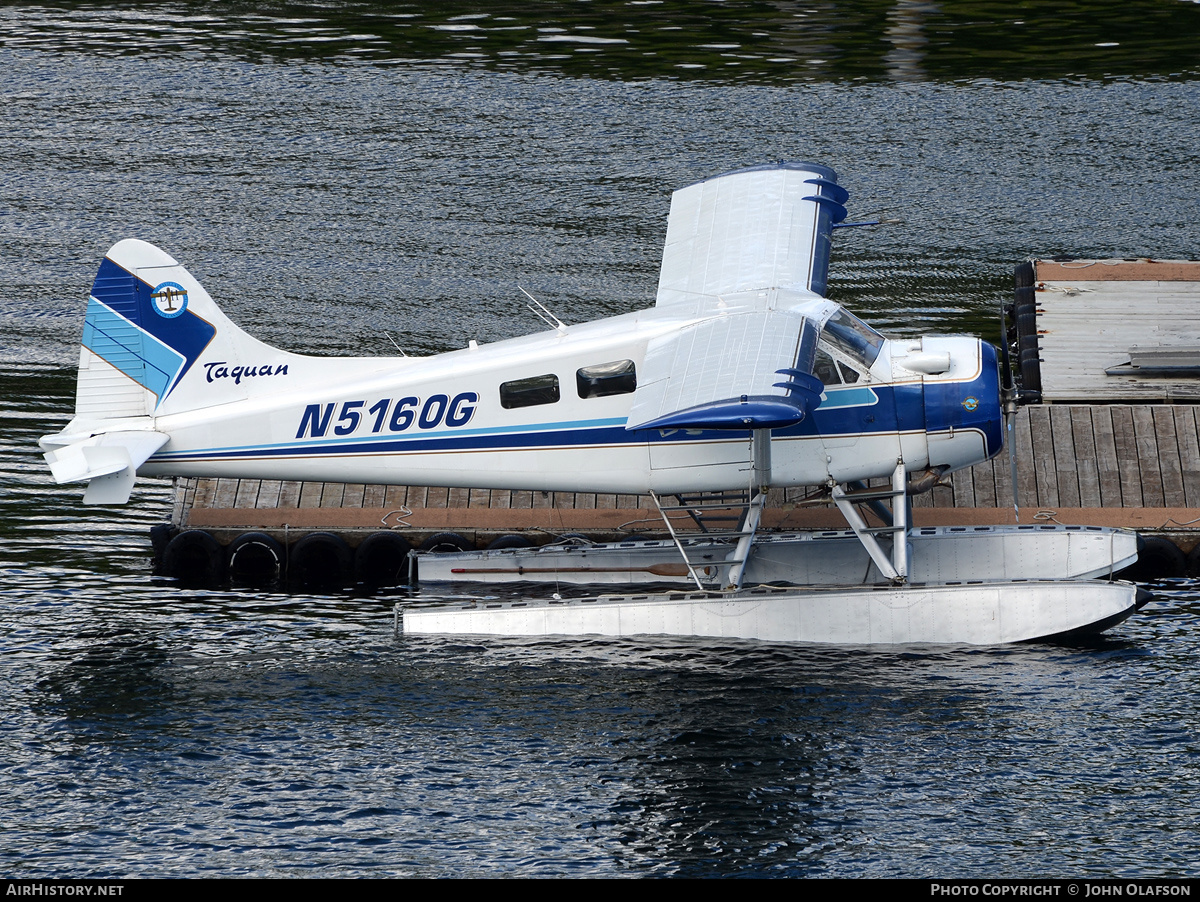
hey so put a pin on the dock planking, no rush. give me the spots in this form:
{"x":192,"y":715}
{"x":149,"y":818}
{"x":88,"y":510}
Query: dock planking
{"x":1095,"y":316}
{"x":1189,"y":454}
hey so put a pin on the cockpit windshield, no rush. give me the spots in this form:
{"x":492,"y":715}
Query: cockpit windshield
{"x":853,"y":337}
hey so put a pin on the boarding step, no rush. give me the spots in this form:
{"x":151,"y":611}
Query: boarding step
{"x":703,"y":508}
{"x":858,"y":496}
{"x":712,"y":526}
{"x":739,"y":496}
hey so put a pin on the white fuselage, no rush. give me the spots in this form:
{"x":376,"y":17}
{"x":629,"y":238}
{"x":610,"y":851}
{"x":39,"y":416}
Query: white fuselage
{"x":441,"y":421}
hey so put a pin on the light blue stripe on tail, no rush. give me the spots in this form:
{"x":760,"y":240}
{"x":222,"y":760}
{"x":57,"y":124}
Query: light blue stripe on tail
{"x":133,"y":351}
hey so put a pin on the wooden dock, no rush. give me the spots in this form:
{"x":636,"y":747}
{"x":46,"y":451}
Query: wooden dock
{"x":1136,"y":466}
{"x":1101,"y":326}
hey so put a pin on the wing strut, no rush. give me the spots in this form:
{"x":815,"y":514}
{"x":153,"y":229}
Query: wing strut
{"x":760,"y":476}
{"x":718,"y":505}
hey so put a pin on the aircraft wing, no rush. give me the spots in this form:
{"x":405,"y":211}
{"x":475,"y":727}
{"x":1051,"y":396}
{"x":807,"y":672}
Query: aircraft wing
{"x":767,"y":227}
{"x":749,"y":370}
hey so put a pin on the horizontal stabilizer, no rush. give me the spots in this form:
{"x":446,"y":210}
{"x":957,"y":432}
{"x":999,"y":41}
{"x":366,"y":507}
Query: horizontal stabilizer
{"x":106,"y":462}
{"x":722,"y":373}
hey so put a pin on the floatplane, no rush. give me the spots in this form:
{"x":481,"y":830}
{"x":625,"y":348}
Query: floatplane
{"x":743,"y":376}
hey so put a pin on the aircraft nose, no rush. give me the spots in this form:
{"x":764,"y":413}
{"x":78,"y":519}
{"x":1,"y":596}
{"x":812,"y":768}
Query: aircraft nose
{"x":969,"y":404}
{"x":981,"y":404}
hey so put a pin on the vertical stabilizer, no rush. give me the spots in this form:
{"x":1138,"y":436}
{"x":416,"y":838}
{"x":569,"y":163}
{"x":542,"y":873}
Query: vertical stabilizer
{"x":148,"y":322}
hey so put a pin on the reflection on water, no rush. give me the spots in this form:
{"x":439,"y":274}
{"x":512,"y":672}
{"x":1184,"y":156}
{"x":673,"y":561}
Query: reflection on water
{"x":293,"y":741}
{"x":736,"y":40}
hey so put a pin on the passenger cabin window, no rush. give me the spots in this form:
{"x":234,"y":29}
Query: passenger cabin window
{"x":529,"y":392}
{"x":616,"y":378}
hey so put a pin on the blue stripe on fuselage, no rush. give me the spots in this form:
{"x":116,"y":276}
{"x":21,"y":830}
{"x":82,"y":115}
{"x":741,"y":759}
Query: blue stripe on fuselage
{"x":858,"y":396}
{"x":828,"y":420}
{"x":352,"y":444}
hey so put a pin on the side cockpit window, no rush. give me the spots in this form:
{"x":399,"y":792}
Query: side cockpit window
{"x":825,"y":369}
{"x":603,"y":379}
{"x":529,"y":392}
{"x":834,"y":371}
{"x":848,"y":334}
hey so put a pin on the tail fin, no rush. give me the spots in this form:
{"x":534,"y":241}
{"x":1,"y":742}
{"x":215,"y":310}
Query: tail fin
{"x":148,"y":322}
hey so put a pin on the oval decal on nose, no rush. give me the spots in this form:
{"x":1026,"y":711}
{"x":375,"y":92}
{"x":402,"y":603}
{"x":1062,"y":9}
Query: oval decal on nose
{"x":971,"y":403}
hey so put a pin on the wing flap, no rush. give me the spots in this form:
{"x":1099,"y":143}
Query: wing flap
{"x":724,"y":373}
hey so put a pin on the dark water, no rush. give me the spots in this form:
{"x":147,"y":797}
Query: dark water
{"x":337,"y":174}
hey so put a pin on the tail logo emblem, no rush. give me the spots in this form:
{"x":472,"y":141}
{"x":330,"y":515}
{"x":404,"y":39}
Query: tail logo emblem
{"x":170,"y":299}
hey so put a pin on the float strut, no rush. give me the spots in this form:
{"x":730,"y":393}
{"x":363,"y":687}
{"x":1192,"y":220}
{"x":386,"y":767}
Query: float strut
{"x":895,"y":568}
